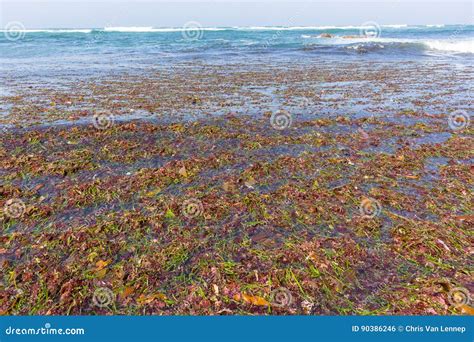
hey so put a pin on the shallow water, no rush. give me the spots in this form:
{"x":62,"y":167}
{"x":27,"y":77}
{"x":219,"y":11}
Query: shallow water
{"x":49,"y":53}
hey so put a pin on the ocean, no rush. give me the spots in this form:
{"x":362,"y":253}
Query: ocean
{"x":422,"y":59}
{"x":46,"y":52}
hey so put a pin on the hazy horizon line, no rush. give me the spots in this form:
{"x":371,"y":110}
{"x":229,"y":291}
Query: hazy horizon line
{"x":236,"y":26}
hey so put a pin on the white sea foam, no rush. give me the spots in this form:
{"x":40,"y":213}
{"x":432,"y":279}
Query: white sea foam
{"x":291,"y":28}
{"x":396,"y":26}
{"x":129,"y":29}
{"x":49,"y":30}
{"x":466,"y":46}
{"x":448,"y":45}
{"x":452,"y":44}
{"x":243,"y":28}
{"x":164,"y":29}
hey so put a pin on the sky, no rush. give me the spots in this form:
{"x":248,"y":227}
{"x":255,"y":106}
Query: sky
{"x":159,"y":13}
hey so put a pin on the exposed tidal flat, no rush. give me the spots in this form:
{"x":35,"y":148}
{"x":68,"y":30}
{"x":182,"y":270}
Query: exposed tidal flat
{"x":245,"y":188}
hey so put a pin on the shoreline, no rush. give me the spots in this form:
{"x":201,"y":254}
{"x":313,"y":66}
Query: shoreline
{"x":186,"y":92}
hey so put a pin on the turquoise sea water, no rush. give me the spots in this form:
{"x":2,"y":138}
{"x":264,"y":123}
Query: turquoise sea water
{"x":87,"y":50}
